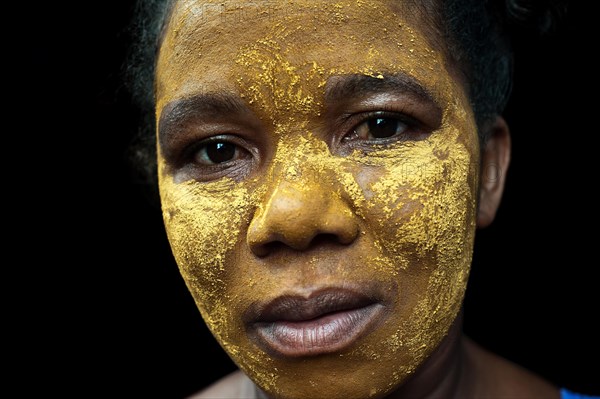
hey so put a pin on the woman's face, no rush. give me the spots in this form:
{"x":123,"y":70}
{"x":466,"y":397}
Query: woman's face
{"x":318,"y":166}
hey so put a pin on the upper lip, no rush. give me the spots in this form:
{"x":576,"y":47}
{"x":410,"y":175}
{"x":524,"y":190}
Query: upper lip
{"x":298,"y":307}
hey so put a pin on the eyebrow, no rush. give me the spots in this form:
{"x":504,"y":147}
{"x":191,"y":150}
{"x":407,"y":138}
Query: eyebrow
{"x":178,"y":112}
{"x":353,"y":86}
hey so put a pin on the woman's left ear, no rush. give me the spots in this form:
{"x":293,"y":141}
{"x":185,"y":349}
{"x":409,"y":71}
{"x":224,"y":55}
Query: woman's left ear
{"x":495,"y":159}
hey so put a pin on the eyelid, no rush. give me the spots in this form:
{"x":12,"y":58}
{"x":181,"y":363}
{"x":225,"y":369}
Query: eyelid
{"x":415,"y":128}
{"x":192,"y":148}
{"x":355,"y":121}
{"x":186,"y":167}
{"x":201,"y":150}
{"x":427,"y":115}
{"x":179,"y":152}
{"x":409,"y":120}
{"x":191,"y":131}
{"x":189,"y":152}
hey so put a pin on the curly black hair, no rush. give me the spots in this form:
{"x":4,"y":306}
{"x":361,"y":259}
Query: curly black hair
{"x":477,"y":36}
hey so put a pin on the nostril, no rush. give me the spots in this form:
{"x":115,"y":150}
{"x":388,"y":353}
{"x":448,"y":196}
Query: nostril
{"x":276,"y":245}
{"x":324,"y":239}
{"x":271,"y":247}
{"x":261,"y":250}
{"x":319,"y":240}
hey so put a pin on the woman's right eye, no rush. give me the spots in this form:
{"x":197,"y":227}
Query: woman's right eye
{"x":211,"y":158}
{"x":216,"y":152}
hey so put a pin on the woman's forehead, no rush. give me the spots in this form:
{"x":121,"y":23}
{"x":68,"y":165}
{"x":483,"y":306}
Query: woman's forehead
{"x":209,"y":45}
{"x":312,"y":18}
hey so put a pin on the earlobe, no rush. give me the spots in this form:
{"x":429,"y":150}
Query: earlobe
{"x":495,"y":159}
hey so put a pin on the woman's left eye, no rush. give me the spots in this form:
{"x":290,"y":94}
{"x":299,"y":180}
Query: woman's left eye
{"x":380,"y":127}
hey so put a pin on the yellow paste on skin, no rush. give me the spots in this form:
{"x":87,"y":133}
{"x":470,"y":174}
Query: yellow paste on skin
{"x":415,"y":202}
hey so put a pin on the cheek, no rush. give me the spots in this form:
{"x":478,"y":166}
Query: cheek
{"x":424,"y":203}
{"x":422,"y":214}
{"x":203,"y":223}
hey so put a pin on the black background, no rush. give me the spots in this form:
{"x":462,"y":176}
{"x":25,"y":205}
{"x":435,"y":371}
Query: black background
{"x":107,"y":313}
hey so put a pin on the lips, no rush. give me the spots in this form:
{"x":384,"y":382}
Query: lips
{"x":326,"y":321}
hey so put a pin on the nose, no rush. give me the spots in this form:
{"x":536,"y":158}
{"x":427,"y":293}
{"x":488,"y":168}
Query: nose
{"x":300,"y":214}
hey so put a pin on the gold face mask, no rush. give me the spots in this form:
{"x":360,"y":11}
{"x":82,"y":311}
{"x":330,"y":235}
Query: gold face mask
{"x":318,"y":168}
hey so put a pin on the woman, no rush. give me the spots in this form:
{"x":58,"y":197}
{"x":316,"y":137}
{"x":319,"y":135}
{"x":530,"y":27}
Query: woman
{"x":322,"y":169}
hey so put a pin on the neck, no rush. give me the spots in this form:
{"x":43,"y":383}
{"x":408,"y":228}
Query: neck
{"x":441,"y":376}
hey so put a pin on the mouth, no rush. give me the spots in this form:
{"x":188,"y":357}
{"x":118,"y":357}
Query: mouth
{"x":326,"y":321}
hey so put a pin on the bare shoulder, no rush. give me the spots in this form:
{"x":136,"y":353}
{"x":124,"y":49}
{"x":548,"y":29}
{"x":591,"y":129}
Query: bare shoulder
{"x":234,"y":386}
{"x":498,"y":377}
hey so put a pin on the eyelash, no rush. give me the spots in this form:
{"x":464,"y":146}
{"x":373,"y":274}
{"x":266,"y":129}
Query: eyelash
{"x":193,"y":149}
{"x":353,"y":122}
{"x":190,"y":165}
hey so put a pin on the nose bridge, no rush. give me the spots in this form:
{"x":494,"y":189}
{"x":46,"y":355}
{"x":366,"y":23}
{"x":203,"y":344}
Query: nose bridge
{"x":304,"y":167}
{"x":302,"y":202}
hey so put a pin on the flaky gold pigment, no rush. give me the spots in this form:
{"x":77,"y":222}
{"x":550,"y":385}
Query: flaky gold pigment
{"x":414,"y":202}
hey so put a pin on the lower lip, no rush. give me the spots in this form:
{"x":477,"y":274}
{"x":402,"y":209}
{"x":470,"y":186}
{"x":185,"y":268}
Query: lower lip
{"x":327,"y":334}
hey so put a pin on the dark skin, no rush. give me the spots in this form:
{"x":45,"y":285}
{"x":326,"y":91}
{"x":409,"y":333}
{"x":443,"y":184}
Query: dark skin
{"x":459,"y":367}
{"x":307,"y":212}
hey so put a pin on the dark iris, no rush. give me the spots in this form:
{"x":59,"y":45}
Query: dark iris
{"x":220,"y":152}
{"x":383,"y":127}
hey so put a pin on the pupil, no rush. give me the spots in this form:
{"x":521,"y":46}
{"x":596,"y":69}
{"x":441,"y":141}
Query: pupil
{"x":383,"y":127}
{"x":220,"y":152}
